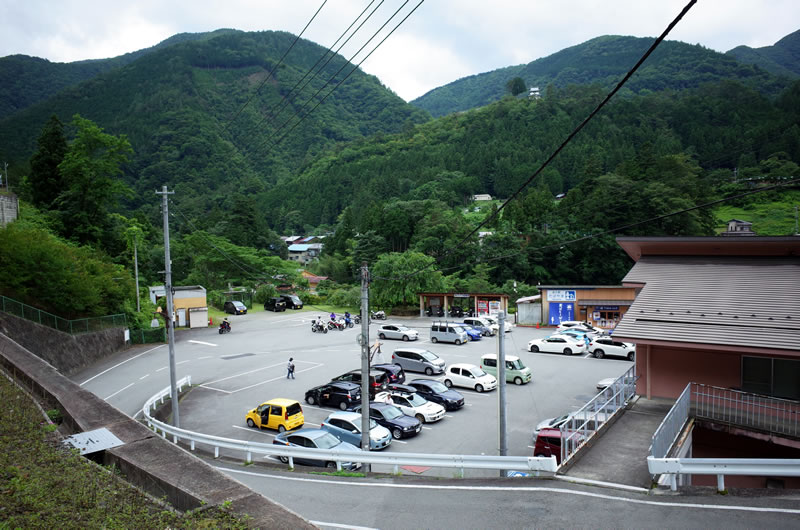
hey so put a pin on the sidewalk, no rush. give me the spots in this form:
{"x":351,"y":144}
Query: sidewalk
{"x":620,"y":454}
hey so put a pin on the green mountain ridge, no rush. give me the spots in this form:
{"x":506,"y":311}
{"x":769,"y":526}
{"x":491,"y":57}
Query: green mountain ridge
{"x":672,"y":66}
{"x":782,"y":58}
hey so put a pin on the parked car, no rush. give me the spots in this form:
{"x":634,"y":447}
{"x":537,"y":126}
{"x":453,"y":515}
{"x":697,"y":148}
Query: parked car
{"x":275,"y":303}
{"x":472,"y":333}
{"x":516,"y":371}
{"x":584,"y":419}
{"x":377,"y":379}
{"x":340,"y":394}
{"x":400,"y":387}
{"x":234,"y":307}
{"x":346,"y":426}
{"x":292,"y":301}
{"x":448,"y":332}
{"x":603,"y":346}
{"x":394,"y":372}
{"x":507,"y":325}
{"x":281,"y":414}
{"x":437,"y":392}
{"x":549,"y":441}
{"x":417,"y":360}
{"x":483,"y":325}
{"x":399,"y":424}
{"x":557,"y":344}
{"x":577,"y":324}
{"x":413,"y":404}
{"x":396,"y":331}
{"x":468,"y":376}
{"x":319,"y":439}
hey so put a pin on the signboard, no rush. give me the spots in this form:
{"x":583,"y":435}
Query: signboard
{"x":457,"y":295}
{"x":494,"y":307}
{"x":596,"y":315}
{"x":483,"y":306}
{"x":557,"y":295}
{"x":560,"y":312}
{"x":606,"y":308}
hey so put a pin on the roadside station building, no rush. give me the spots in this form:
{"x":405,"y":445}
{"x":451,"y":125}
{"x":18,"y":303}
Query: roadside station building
{"x":189,"y":303}
{"x":600,"y":305}
{"x":480,"y":303}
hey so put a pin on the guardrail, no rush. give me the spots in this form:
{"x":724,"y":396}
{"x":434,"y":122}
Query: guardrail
{"x":672,"y":425}
{"x":584,"y":423}
{"x":460,"y":462}
{"x":721,"y":467}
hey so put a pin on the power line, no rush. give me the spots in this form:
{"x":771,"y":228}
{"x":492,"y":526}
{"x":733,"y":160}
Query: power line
{"x":274,"y":68}
{"x":571,"y":135}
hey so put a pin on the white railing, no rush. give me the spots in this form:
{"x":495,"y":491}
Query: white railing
{"x":721,"y":467}
{"x":460,"y":462}
{"x":584,"y":423}
{"x":672,"y":425}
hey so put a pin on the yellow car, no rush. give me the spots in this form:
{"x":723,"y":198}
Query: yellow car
{"x":280,"y":414}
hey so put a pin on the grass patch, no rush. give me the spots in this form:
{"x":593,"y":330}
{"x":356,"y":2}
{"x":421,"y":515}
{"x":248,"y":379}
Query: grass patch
{"x":45,"y":485}
{"x":338,"y":473}
{"x":769,"y":218}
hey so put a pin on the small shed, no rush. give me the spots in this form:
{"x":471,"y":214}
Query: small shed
{"x":529,"y":310}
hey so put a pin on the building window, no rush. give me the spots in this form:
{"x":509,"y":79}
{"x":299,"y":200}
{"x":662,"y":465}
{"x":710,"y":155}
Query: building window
{"x":771,"y":377}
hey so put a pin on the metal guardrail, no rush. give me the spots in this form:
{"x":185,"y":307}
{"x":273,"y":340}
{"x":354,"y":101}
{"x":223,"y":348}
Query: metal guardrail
{"x":721,"y":467}
{"x":74,"y":327}
{"x":672,"y":425}
{"x":461,"y":462}
{"x":584,"y":423}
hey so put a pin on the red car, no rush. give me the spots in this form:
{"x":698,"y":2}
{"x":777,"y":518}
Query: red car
{"x":549,"y":442}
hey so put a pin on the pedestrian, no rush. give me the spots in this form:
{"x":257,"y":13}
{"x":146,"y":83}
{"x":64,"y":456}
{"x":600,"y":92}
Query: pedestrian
{"x":290,"y":369}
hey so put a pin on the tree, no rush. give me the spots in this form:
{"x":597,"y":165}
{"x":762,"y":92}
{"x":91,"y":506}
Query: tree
{"x":398,"y":278}
{"x":516,"y":86}
{"x":90,"y":191}
{"x":45,"y":177}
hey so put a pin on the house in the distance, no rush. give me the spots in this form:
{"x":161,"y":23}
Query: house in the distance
{"x":739,"y":228}
{"x":482,"y":197}
{"x":313,"y":280}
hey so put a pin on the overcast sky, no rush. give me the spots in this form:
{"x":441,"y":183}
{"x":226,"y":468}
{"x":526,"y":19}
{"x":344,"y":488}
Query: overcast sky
{"x":443,"y":40}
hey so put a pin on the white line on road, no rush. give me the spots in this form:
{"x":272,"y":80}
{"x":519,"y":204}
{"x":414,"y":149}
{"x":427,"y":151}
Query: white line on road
{"x":428,"y":428}
{"x":248,"y":429}
{"x":205,"y":357}
{"x":162,"y":368}
{"x":176,"y":364}
{"x":271,"y":380}
{"x":399,"y":442}
{"x":337,"y":525}
{"x":145,"y":376}
{"x":201,"y":342}
{"x":522,"y":489}
{"x":118,"y":391}
{"x":120,"y":364}
{"x":216,"y":389}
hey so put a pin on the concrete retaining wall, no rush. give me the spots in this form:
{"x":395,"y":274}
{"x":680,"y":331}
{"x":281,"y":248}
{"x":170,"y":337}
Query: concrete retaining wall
{"x":147,"y":460}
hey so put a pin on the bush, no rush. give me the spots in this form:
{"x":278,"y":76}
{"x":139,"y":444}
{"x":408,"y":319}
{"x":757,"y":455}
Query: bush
{"x":348,"y":297}
{"x":264,"y":293}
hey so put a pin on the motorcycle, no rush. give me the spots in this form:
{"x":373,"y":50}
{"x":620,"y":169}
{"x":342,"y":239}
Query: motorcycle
{"x":377,"y":315}
{"x":317,"y":325}
{"x":224,"y":327}
{"x":332,"y":325}
{"x":348,"y":323}
{"x":357,"y":319}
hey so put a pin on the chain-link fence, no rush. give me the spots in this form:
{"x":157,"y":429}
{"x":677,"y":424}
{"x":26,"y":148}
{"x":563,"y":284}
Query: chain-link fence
{"x":81,"y":325}
{"x":148,"y":336}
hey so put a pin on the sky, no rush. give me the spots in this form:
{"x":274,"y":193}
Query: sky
{"x":443,"y":40}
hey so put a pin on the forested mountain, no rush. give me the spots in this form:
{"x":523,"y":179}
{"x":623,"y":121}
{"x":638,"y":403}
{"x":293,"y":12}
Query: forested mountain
{"x":177,"y":106}
{"x":604,"y":60}
{"x":782,"y":58}
{"x":28,"y":80}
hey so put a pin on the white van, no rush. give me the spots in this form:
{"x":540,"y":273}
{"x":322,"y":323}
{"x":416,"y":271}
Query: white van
{"x":516,"y":372}
{"x":448,"y":332}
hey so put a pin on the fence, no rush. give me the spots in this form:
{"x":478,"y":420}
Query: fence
{"x":671,"y":426}
{"x":586,"y":421}
{"x":395,"y":460}
{"x":148,"y":336}
{"x":74,"y":327}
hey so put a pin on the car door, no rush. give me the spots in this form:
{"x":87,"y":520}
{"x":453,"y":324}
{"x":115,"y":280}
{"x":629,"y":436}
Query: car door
{"x":326,"y":395}
{"x":390,"y":332}
{"x":275,"y":416}
{"x":555,"y":344}
{"x":343,"y":430}
{"x":402,"y":403}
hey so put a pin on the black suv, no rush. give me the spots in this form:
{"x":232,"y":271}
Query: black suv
{"x":234,"y":307}
{"x":292,"y":301}
{"x":377,"y":379}
{"x":395,"y":371}
{"x":275,"y":304}
{"x":335,"y":394}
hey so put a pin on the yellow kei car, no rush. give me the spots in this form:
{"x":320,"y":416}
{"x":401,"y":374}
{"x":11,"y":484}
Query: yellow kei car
{"x":280,"y":414}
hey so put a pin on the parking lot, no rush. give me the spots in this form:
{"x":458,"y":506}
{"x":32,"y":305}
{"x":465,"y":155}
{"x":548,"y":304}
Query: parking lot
{"x":237,"y":371}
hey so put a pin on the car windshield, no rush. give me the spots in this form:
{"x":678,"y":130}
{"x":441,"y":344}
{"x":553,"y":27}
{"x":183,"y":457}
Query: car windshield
{"x":403,"y":328}
{"x":326,"y":441}
{"x":372,"y":424}
{"x":294,"y":299}
{"x":428,"y":356}
{"x":415,"y":400}
{"x":516,"y":365}
{"x":391,"y":413}
{"x":436,"y":386}
{"x":238,"y":304}
{"x":477,"y":372}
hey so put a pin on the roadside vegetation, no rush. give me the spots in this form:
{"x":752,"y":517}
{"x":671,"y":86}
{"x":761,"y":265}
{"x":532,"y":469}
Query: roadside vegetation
{"x":45,"y":485}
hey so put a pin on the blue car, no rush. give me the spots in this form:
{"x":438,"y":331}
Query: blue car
{"x":346,"y":426}
{"x":311,"y":438}
{"x":472,"y":333}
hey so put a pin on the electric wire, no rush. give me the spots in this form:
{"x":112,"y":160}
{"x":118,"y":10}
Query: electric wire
{"x":274,"y":68}
{"x":569,"y":138}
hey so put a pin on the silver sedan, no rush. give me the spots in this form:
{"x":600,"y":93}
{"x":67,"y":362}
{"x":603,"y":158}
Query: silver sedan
{"x":395,"y":331}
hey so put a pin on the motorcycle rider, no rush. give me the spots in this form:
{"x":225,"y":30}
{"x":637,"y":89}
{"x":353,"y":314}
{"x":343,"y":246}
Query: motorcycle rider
{"x":225,"y":324}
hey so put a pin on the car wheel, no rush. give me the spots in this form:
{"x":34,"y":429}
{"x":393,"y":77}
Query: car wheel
{"x":330,"y":465}
{"x":429,"y":371}
{"x":382,"y":336}
{"x":397,"y":434}
{"x":631,"y":356}
{"x":281,"y":428}
{"x":458,"y":342}
{"x":448,"y":383}
{"x":250,"y":423}
{"x":541,"y":455}
{"x":534,"y":348}
{"x":567,"y":351}
{"x":405,"y":338}
{"x":284,"y":459}
{"x":434,"y":340}
{"x":517,"y":380}
{"x":343,"y":405}
{"x":599,"y":354}
{"x":310,"y":400}
{"x":420,"y":417}
{"x":478,"y":388}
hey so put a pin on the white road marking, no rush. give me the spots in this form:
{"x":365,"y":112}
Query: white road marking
{"x":337,"y":525}
{"x":271,"y":380}
{"x":244,"y":373}
{"x":201,"y":342}
{"x":145,"y":376}
{"x":448,"y":416}
{"x":205,"y":357}
{"x":522,"y":489}
{"x":120,"y":364}
{"x":182,"y":362}
{"x":428,"y":428}
{"x":259,"y":431}
{"x":162,"y":368}
{"x":118,"y":391}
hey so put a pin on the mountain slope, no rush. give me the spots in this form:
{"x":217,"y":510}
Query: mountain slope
{"x":29,"y":80}
{"x":783,"y":58}
{"x":604,"y":60}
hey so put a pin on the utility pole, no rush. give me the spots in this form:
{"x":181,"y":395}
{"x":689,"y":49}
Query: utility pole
{"x":168,"y":320}
{"x":136,"y":272}
{"x":365,"y":361}
{"x":501,"y":386}
{"x":796,"y":226}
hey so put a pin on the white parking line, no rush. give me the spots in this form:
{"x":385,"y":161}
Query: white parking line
{"x":120,"y":364}
{"x":145,"y":376}
{"x":448,"y":415}
{"x":399,"y":442}
{"x":162,"y":368}
{"x":118,"y":391}
{"x":427,"y":428}
{"x":271,"y":380}
{"x":201,"y":342}
{"x":244,"y":373}
{"x":205,"y":357}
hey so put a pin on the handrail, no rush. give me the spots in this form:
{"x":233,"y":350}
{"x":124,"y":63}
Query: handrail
{"x":461,"y":462}
{"x":784,"y":467}
{"x":671,"y":426}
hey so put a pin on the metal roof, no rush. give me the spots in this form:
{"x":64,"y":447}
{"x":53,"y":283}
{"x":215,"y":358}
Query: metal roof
{"x":585,"y":302}
{"x":751,"y":302}
{"x":93,"y":441}
{"x":297,"y":247}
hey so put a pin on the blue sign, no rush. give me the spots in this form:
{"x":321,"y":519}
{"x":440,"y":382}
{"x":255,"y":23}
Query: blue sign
{"x":560,"y":312}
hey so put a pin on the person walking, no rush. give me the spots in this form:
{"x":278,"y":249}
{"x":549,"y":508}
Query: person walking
{"x":290,"y":369}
